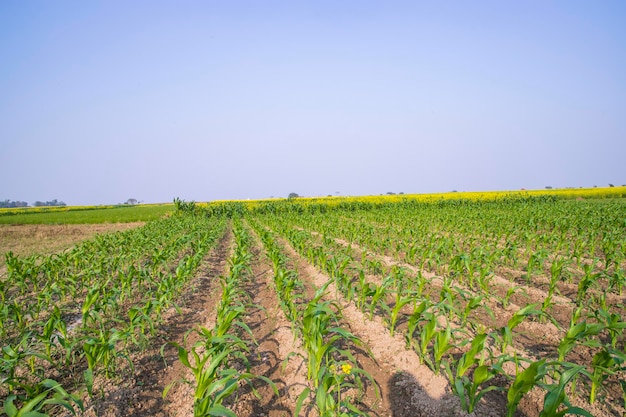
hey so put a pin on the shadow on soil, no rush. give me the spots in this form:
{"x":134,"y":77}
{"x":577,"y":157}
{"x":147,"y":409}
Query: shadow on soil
{"x":408,"y":398}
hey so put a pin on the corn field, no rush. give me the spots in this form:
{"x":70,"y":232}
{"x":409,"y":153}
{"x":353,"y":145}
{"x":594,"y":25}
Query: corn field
{"x":461,"y":307}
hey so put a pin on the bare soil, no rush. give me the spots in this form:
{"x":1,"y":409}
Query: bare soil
{"x":35,"y":239}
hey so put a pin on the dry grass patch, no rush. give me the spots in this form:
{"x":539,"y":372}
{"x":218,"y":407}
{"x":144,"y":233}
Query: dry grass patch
{"x":32,"y":239}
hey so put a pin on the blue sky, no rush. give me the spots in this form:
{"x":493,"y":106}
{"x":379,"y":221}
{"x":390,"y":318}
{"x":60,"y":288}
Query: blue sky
{"x":105,"y":101}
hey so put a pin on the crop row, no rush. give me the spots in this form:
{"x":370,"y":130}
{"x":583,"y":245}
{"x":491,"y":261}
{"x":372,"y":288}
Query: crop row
{"x":336,"y":380}
{"x":442,"y":329}
{"x":80,"y":312}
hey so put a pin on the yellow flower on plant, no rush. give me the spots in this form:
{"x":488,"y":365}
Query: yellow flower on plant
{"x":346,"y":368}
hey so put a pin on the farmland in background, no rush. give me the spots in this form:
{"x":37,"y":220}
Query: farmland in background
{"x":487,"y":304}
{"x":84,"y":214}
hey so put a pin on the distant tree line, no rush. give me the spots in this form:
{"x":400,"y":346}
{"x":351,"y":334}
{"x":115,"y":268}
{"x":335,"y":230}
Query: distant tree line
{"x":15,"y":204}
{"x":49,"y":203}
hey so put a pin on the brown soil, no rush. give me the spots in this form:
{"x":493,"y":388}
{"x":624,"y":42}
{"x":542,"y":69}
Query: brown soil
{"x":276,"y":353}
{"x":34,"y":239}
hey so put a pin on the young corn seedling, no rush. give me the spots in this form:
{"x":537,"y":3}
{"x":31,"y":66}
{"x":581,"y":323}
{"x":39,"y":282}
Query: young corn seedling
{"x":365,"y":290}
{"x":587,"y":281}
{"x":556,"y":270}
{"x":330,"y":396}
{"x":535,"y":263}
{"x":289,"y":290}
{"x":555,"y":403}
{"x":469,"y":390}
{"x":215,"y":379}
{"x":472,"y":303}
{"x":138,"y":325}
{"x":613,"y":324}
{"x":42,"y":398}
{"x":378,"y":296}
{"x":506,"y":332}
{"x":605,"y":363}
{"x":102,"y":349}
{"x":401,"y":301}
{"x":524,"y":381}
{"x":510,"y":292}
{"x":579,"y":333}
{"x":335,"y":266}
{"x":322,"y":341}
{"x":416,"y":319}
{"x":442,"y":344}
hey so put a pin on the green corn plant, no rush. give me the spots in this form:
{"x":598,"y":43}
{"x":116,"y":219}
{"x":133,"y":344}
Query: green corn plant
{"x":461,"y":265}
{"x":617,"y":280}
{"x":378,"y":296}
{"x":469,"y":389}
{"x":138,"y":325}
{"x":612,"y":322}
{"x":12,"y":357}
{"x":419,"y":283}
{"x":64,"y":342}
{"x":365,"y":290}
{"x":510,"y":292}
{"x":90,"y":300}
{"x":402,"y":299}
{"x":556,"y":270}
{"x":228,"y":318}
{"x":102,"y":350}
{"x":215,"y":380}
{"x":416,"y":319}
{"x":472,"y":304}
{"x":506,"y":332}
{"x":335,"y":266}
{"x":289,"y":291}
{"x":411,"y":252}
{"x":54,"y":328}
{"x":524,"y":381}
{"x":44,"y":397}
{"x":330,"y":395}
{"x":484,"y":278}
{"x":448,"y":297}
{"x":605,"y":363}
{"x":589,"y":278}
{"x":609,"y":248}
{"x":555,"y":403}
{"x":535,"y":263}
{"x":427,"y":333}
{"x":442,"y":344}
{"x":579,"y":333}
{"x":320,"y":338}
{"x":374,"y":266}
{"x":18,"y":315}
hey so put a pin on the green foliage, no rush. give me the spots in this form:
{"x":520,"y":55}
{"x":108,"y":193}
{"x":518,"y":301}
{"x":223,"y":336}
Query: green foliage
{"x":86,"y":215}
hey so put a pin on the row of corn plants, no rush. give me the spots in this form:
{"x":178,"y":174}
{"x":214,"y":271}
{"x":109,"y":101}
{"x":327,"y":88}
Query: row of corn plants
{"x":218,"y":358}
{"x":337,"y":382}
{"x":492,"y":236}
{"x":425,"y":322}
{"x":475,"y":268}
{"x":82,"y":312}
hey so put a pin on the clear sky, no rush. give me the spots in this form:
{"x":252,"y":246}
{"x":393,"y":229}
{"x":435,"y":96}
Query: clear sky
{"x":105,"y":101}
